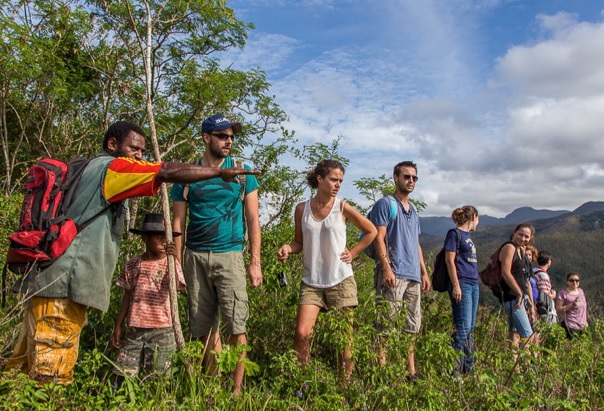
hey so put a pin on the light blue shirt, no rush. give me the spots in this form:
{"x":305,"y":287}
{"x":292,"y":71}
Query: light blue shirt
{"x":402,"y":236}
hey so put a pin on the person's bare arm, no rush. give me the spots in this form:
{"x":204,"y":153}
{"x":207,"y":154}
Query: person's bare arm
{"x":382,"y":256}
{"x":296,"y":245}
{"x":179,"y":211}
{"x":252,"y":217}
{"x":452,"y":271}
{"x":426,"y":283}
{"x":362,"y":223}
{"x":560,"y":307}
{"x":506,"y":256}
{"x":185,"y":173}
{"x":116,"y":337}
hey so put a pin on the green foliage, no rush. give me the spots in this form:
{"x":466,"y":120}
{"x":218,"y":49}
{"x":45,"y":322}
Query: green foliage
{"x":229,"y":357}
{"x":558,"y":375}
{"x":374,"y":188}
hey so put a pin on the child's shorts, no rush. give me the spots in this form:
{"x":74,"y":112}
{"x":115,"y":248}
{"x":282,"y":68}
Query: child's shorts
{"x":148,"y":348}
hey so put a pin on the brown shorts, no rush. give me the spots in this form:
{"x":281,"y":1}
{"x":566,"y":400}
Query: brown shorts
{"x":340,"y":295}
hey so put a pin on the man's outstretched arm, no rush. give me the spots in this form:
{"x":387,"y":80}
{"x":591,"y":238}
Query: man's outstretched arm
{"x":184,"y":173}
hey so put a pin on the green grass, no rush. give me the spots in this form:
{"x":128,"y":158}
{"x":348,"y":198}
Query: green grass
{"x":560,"y":375}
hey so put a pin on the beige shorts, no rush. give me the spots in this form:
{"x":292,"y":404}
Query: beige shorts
{"x":216,"y":288}
{"x":405,"y":295}
{"x":340,"y":295}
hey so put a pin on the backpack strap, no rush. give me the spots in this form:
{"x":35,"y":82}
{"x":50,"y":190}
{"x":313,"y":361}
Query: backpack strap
{"x":457,"y":240}
{"x":393,"y":208}
{"x":185,"y":189}
{"x":239,"y":164}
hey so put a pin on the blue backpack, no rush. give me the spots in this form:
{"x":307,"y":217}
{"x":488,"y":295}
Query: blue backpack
{"x":370,"y":250}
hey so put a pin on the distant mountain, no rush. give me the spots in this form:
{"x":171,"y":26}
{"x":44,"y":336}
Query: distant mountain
{"x":439,"y":226}
{"x":589,"y":207}
{"x":520,"y":215}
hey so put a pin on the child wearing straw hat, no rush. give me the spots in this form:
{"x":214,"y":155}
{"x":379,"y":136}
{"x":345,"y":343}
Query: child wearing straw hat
{"x":148,"y":342}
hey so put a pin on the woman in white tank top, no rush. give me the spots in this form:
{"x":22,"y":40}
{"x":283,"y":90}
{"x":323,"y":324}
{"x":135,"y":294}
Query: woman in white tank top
{"x":320,"y":233}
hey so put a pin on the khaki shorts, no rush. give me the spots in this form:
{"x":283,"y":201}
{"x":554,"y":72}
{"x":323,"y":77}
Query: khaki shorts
{"x":148,"y":348}
{"x":340,"y":295}
{"x":48,"y":346}
{"x":405,"y":295}
{"x":216,"y":288}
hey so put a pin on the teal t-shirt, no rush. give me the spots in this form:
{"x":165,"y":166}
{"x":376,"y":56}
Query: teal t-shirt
{"x":215,"y":212}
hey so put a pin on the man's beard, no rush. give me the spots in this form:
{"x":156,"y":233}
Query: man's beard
{"x":216,"y":152}
{"x":404,"y":190}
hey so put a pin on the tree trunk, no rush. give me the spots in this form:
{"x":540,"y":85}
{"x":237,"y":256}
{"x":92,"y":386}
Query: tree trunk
{"x":180,"y":341}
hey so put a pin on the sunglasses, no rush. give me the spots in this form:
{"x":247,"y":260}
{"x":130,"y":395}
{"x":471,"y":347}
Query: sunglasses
{"x":574,"y":280}
{"x":223,"y":136}
{"x":410,"y":177}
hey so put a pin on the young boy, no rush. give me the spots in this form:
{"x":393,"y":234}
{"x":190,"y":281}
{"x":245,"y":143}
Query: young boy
{"x":149,"y":339}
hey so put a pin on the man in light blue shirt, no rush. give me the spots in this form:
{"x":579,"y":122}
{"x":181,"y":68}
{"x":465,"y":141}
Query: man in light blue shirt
{"x":401,"y":274}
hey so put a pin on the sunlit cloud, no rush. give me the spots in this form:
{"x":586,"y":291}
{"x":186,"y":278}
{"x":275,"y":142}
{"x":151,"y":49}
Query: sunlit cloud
{"x":416,"y":81}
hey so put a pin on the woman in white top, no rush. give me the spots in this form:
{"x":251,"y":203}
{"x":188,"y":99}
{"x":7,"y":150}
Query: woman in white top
{"x":320,"y":233}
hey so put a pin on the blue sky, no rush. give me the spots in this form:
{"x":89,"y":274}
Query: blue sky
{"x":499,"y":102}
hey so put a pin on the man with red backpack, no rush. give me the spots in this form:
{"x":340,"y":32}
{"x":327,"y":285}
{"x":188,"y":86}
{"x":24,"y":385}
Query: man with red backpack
{"x":81,"y":277}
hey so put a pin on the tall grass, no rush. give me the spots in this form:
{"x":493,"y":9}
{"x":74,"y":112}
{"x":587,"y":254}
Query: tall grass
{"x":560,"y":375}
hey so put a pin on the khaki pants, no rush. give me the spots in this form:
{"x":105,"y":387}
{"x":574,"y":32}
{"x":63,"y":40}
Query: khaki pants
{"x":48,"y":345}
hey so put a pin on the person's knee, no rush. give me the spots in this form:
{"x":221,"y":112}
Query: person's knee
{"x":303,"y":333}
{"x":236,"y":339}
{"x":209,"y":340}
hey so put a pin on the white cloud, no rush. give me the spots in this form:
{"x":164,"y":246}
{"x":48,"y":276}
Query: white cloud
{"x":526,"y":132}
{"x":268,"y":51}
{"x":569,"y":63}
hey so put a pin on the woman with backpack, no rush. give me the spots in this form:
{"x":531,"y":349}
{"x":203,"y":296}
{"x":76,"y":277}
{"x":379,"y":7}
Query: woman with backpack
{"x":515,"y":288}
{"x":462,"y":266}
{"x":327,"y":281}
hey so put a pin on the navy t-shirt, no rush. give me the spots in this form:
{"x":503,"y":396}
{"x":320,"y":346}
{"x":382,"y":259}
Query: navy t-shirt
{"x":466,"y":261}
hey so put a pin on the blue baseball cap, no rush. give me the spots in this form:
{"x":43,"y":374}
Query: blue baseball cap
{"x":219,"y":122}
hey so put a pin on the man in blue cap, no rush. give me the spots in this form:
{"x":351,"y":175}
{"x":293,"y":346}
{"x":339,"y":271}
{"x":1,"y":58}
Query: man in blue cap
{"x":213,"y":257}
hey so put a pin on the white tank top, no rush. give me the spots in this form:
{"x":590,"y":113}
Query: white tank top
{"x":323,"y":242}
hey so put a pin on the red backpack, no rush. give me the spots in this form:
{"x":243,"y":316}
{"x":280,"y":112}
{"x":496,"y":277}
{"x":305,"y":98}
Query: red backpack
{"x":491,"y":274}
{"x":44,"y":231}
